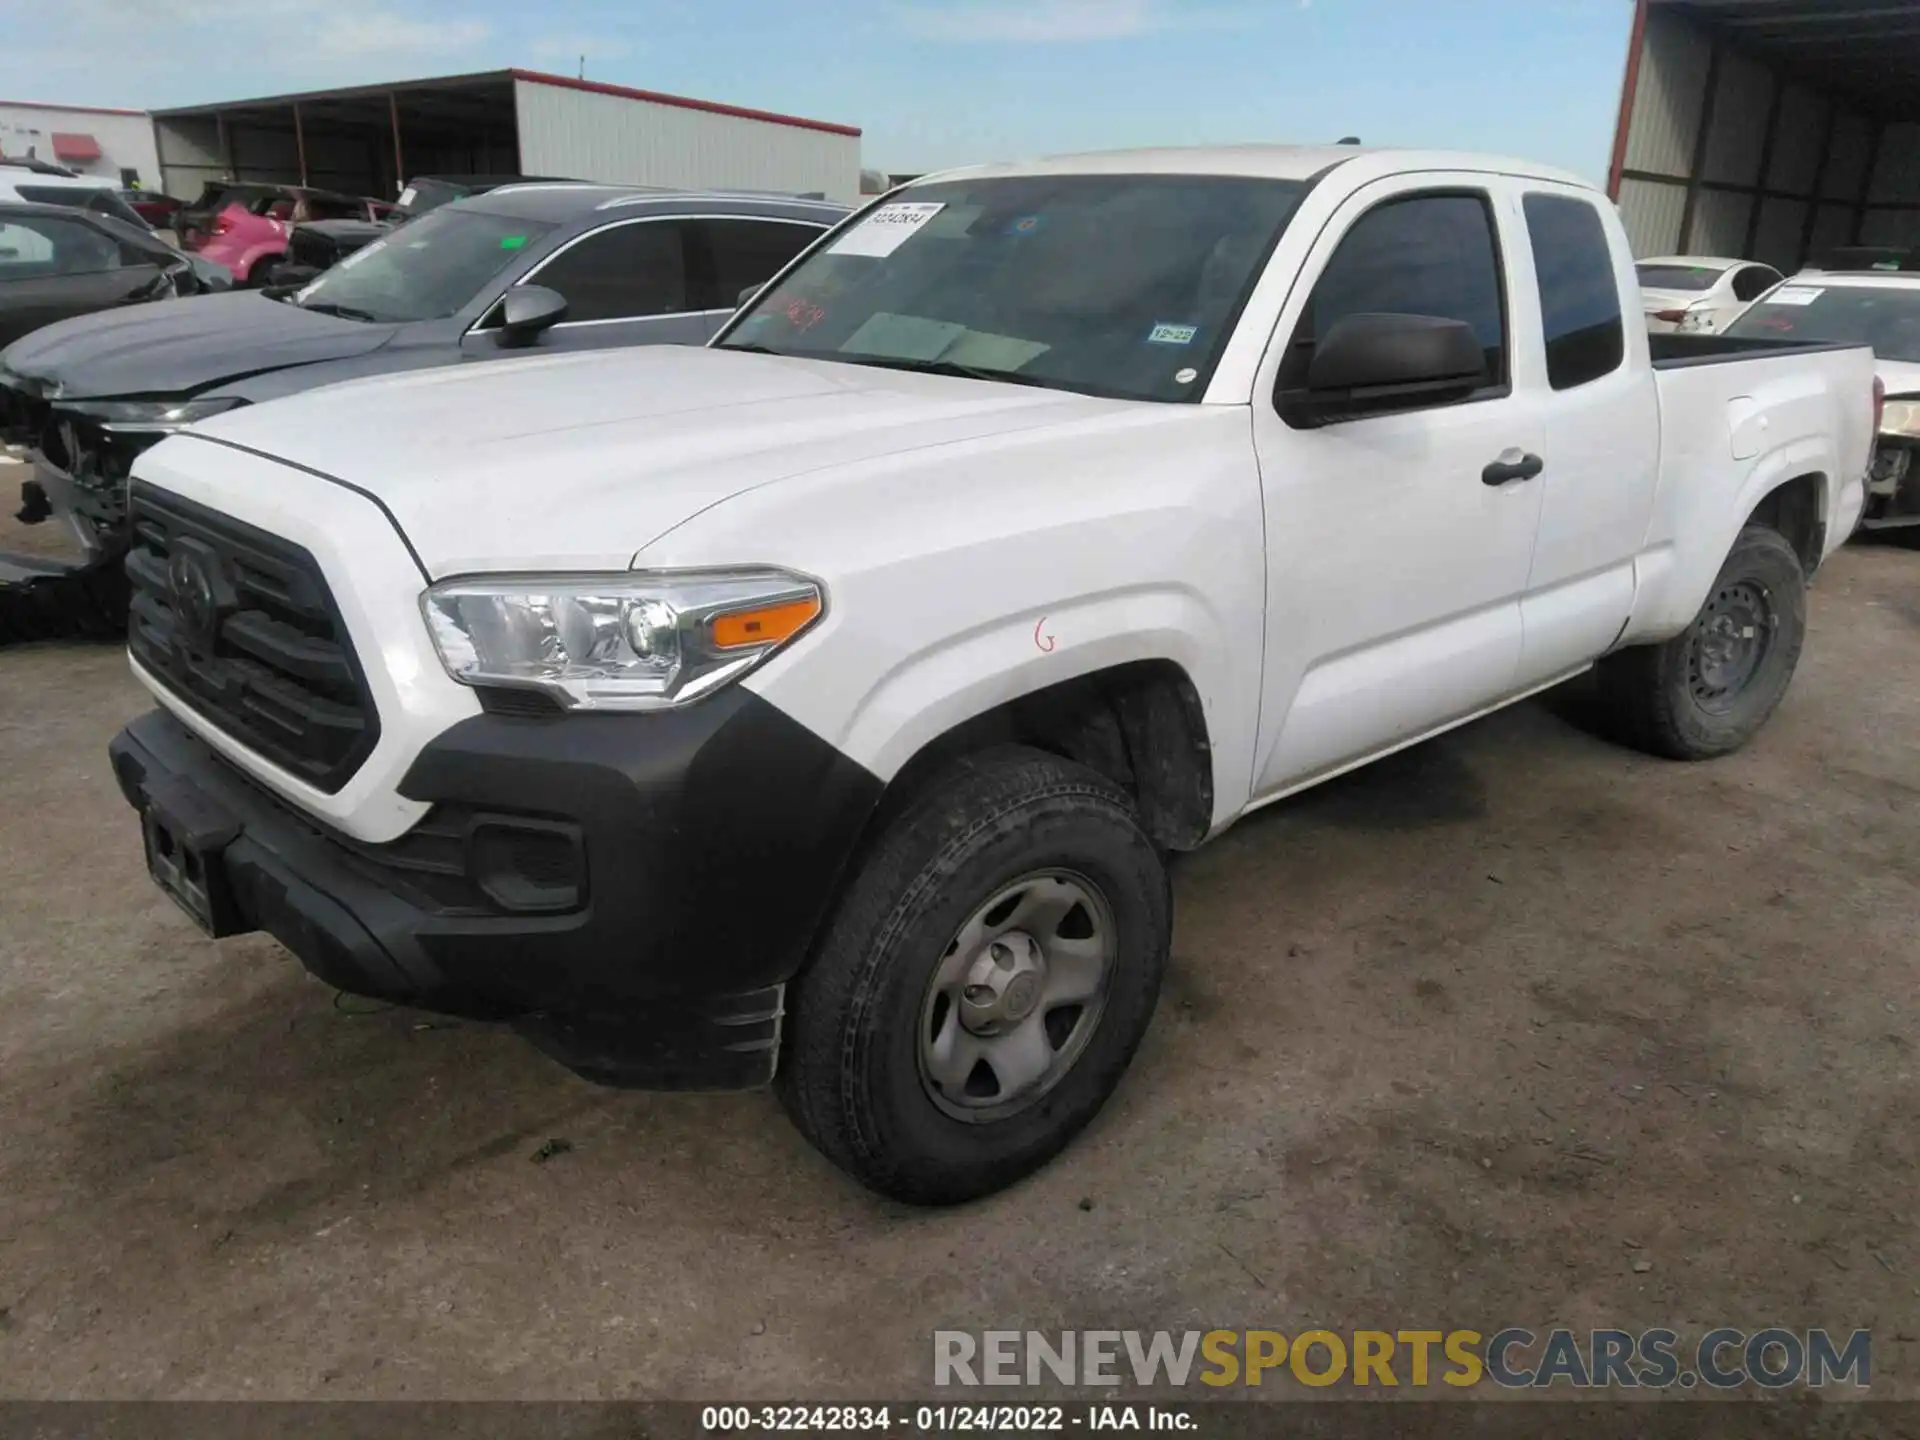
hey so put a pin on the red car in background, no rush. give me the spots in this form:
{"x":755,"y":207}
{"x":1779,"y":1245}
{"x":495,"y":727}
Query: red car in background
{"x":249,"y":233}
{"x":151,"y":206}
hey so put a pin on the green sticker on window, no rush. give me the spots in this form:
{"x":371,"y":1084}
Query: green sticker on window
{"x":512,"y":242}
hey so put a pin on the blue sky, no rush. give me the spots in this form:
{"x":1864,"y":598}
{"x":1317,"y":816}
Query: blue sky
{"x":931,"y":82}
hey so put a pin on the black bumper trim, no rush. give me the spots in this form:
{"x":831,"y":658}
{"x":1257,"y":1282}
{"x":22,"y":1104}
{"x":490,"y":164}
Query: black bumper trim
{"x":716,"y":838}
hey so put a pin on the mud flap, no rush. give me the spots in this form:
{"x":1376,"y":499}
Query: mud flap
{"x":54,"y":600}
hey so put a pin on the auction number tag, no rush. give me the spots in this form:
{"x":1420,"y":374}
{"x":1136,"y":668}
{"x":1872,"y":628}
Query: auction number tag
{"x":887,"y":229}
{"x":1795,"y":295}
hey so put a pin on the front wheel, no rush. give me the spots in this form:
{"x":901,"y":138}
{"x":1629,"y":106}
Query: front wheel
{"x":984,"y":982}
{"x":1707,"y":691}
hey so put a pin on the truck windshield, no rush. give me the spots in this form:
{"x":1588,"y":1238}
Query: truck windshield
{"x":1679,"y":277}
{"x":427,"y":269}
{"x":1116,"y":285}
{"x":1887,"y":317}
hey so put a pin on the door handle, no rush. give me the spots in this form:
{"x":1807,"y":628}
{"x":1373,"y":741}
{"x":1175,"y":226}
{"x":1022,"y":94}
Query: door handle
{"x":1502,"y":472}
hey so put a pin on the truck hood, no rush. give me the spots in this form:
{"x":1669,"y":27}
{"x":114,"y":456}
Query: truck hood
{"x":182,"y":347}
{"x":577,"y":462}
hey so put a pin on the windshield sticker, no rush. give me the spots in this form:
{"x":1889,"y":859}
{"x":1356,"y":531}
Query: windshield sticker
{"x":1185,"y":377}
{"x":406,"y":196}
{"x":1026,"y":224}
{"x":1164,"y":334}
{"x":512,"y":242}
{"x":887,"y":229}
{"x":903,"y":337}
{"x":1795,"y":295}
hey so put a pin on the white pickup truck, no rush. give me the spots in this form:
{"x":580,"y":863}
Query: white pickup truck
{"x":821,"y":707}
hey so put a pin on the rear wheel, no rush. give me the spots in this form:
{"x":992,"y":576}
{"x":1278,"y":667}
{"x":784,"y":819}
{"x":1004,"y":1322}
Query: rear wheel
{"x":984,"y":982}
{"x":1707,"y":691}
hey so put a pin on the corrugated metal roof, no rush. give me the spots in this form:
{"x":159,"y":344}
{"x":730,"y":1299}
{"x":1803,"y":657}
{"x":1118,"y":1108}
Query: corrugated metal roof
{"x":1867,"y":49}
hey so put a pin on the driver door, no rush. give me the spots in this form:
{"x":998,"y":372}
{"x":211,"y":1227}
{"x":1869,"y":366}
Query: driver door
{"x":1397,"y":559}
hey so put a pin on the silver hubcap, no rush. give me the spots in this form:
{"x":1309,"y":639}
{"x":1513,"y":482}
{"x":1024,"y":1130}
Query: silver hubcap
{"x":1017,"y":996}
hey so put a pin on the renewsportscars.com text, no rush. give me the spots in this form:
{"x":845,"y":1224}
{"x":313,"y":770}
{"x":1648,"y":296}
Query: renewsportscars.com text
{"x":1513,"y":1358}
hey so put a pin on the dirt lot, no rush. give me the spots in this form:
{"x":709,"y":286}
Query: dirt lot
{"x":1514,"y":1028}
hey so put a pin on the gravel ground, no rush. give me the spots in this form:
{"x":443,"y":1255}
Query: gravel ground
{"x":1514,"y":1028}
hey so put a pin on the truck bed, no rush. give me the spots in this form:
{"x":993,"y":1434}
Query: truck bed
{"x":1673,"y":350}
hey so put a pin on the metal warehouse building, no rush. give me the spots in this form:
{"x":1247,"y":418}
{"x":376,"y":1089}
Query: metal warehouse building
{"x":1770,"y":130}
{"x":370,"y":139}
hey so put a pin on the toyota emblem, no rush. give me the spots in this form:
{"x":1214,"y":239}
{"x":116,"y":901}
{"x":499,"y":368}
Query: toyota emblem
{"x":195,"y":603}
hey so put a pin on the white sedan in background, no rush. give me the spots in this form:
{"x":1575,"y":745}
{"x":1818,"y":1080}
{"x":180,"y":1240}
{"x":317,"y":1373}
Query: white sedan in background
{"x":1698,"y":293}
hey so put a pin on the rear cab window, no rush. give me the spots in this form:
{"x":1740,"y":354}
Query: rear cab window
{"x":1580,"y":315}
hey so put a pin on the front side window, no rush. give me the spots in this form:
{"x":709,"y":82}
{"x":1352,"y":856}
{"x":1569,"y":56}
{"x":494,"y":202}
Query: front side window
{"x":1579,"y":296}
{"x":1423,"y":255}
{"x":745,"y":252}
{"x":623,"y":272}
{"x":428,"y":269}
{"x":1887,"y":317}
{"x":1116,"y":285}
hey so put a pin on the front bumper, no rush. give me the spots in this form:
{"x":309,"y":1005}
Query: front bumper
{"x":631,"y":892}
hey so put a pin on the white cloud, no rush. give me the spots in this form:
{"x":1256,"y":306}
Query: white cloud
{"x":569,"y":48}
{"x":1044,"y":22}
{"x":354,"y":30}
{"x":170,"y":52}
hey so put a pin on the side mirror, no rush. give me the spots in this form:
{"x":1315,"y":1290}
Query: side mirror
{"x":1373,"y":363}
{"x":526,"y":313}
{"x":748,"y":294}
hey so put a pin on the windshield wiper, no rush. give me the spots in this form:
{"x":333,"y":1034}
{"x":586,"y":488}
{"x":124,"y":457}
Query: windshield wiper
{"x":950,"y":367}
{"x":345,"y":312}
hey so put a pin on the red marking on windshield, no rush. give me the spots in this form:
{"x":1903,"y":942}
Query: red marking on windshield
{"x":804,"y":314}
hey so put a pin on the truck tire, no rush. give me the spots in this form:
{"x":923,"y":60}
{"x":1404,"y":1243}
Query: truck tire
{"x":983,"y":982}
{"x":1707,"y":691}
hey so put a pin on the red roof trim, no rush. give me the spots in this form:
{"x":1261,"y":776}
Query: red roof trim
{"x":71,"y":109}
{"x":713,"y":107}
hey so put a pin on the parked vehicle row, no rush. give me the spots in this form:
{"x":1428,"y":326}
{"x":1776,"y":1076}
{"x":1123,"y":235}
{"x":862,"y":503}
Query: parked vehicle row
{"x":1699,"y":295}
{"x":548,"y":266}
{"x":820,"y":707}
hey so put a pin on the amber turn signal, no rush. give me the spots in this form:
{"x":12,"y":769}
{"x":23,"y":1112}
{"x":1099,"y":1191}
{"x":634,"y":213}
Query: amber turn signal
{"x":768,"y":625}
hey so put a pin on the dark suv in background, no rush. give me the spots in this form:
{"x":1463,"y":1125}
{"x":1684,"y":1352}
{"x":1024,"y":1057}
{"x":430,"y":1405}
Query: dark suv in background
{"x":521,"y":269}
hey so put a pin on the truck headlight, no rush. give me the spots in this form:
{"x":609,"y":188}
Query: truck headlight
{"x":635,"y":641}
{"x":152,"y":417}
{"x":1901,"y":417}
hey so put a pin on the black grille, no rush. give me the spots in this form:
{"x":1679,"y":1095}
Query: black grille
{"x":305,"y":247}
{"x":240,"y":625}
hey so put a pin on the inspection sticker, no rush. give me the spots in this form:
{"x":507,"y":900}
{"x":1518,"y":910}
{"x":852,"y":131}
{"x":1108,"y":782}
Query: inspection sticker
{"x":1795,"y":295}
{"x":887,"y":229}
{"x":1172,"y":334}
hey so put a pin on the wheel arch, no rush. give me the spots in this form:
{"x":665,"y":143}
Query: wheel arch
{"x":1140,"y":723}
